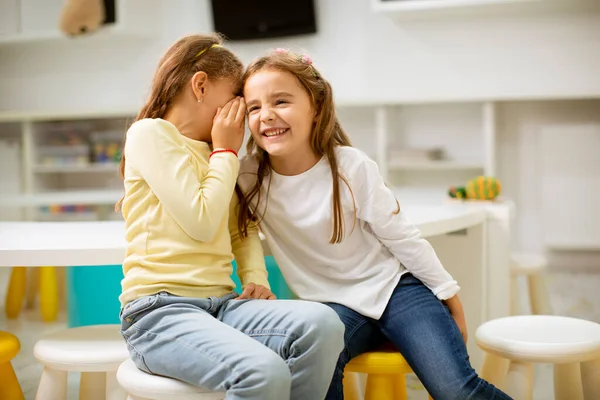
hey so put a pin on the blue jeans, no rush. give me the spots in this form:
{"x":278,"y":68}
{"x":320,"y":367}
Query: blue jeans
{"x":252,"y":349}
{"x":422,"y":329}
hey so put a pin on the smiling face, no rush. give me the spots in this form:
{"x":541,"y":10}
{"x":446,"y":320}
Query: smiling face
{"x":280,"y":114}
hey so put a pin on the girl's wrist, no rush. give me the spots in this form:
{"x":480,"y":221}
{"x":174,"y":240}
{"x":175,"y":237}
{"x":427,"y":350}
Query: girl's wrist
{"x":222,"y":150}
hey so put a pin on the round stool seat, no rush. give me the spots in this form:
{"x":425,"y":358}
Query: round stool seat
{"x":98,"y":348}
{"x":143,"y":385}
{"x":524,"y":263}
{"x":385,"y":360}
{"x":9,"y":346}
{"x":541,"y":338}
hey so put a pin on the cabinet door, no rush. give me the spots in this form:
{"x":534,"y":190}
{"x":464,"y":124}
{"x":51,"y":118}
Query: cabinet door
{"x":9,"y":17}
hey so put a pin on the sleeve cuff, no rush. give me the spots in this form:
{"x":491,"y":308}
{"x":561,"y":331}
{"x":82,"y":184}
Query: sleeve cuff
{"x":447,"y":290}
{"x":257,"y":278}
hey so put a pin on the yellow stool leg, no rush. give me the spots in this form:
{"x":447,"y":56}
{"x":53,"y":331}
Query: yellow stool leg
{"x":351,"y":386}
{"x":9,"y":385}
{"x":48,"y":294}
{"x":379,"y":387}
{"x":399,"y":387}
{"x":33,"y":287}
{"x":16,"y":292}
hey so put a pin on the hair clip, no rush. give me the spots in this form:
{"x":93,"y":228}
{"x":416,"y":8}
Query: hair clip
{"x":306,"y":59}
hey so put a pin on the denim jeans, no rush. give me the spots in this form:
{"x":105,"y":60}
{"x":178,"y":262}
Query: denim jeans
{"x":422,"y":329}
{"x":252,"y":349}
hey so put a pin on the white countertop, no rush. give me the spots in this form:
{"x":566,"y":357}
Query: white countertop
{"x":103,"y":243}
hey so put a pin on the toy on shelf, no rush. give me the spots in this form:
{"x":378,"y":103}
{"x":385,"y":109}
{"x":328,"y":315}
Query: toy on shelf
{"x":64,"y":148}
{"x":478,"y":188}
{"x":107,"y":146}
{"x":68,"y":212}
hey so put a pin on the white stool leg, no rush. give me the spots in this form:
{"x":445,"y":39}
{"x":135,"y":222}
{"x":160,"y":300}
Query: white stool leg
{"x":114,"y":391}
{"x":520,"y":380}
{"x":514,"y":295}
{"x":92,"y":386}
{"x":538,"y":295}
{"x":53,"y":385}
{"x":590,"y":379}
{"x":567,"y":382}
{"x":494,"y":370}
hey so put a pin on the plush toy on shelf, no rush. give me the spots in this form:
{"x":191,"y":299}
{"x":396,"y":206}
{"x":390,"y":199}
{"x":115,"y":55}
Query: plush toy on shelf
{"x":478,"y":188}
{"x":80,"y":17}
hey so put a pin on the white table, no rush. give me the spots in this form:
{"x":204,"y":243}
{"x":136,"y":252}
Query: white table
{"x":63,"y":244}
{"x":472,"y":240}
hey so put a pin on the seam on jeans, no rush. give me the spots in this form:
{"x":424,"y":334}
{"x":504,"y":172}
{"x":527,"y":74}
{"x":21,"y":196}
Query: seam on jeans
{"x":140,"y":355}
{"x":271,"y":332}
{"x":231,"y":369}
{"x":350,"y":335}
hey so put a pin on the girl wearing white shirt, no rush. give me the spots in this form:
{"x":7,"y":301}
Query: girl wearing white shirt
{"x":339,"y":235}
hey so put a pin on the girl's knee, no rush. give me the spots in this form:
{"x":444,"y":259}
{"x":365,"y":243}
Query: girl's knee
{"x":268,"y":372}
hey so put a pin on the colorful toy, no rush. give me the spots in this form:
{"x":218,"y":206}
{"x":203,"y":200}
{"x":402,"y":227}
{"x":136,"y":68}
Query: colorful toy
{"x":478,"y":188}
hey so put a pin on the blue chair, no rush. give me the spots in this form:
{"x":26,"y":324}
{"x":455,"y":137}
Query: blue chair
{"x":93,"y":292}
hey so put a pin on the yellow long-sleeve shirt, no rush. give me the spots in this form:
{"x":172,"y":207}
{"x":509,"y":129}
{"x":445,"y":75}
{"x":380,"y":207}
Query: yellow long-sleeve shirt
{"x":180,"y":217}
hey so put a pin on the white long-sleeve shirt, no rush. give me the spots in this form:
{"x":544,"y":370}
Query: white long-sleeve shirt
{"x":363,"y":270}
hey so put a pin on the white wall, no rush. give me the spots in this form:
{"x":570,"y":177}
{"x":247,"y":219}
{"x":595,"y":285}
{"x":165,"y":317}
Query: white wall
{"x":366,"y":56}
{"x":525,"y":154}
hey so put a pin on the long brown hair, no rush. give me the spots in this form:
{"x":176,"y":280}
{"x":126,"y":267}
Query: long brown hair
{"x":180,"y":62}
{"x":327,"y":134}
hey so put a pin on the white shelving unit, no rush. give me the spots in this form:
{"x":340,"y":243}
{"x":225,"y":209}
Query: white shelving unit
{"x":61,"y":188}
{"x":402,"y":9}
{"x":406,"y":122}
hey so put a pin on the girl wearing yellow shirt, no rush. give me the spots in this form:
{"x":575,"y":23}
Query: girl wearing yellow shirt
{"x":180,"y":315}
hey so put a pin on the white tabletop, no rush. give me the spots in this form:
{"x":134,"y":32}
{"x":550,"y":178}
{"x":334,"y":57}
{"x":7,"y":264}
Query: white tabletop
{"x":102,"y":243}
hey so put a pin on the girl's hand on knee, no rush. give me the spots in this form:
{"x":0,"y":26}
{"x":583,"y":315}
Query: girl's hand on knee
{"x":456,"y":310}
{"x":253,"y":291}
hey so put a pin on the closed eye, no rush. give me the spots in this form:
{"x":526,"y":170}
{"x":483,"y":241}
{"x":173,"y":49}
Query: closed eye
{"x":281,"y":102}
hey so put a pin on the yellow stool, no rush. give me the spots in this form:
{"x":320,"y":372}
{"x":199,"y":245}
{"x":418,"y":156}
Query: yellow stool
{"x":385,"y":369}
{"x":49,"y":289}
{"x":9,"y":385}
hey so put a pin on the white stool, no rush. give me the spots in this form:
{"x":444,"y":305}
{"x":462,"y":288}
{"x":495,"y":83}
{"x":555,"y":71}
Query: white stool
{"x":95,"y":351}
{"x":142,"y":386}
{"x":513,"y":344}
{"x":534,"y":268}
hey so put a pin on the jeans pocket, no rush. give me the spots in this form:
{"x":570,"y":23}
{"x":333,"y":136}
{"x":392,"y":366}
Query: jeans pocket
{"x":136,"y":309}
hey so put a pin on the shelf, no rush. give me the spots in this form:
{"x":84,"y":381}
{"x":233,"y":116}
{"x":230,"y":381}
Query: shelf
{"x":82,"y":197}
{"x":97,"y":168}
{"x":433,"y":165}
{"x":404,"y":8}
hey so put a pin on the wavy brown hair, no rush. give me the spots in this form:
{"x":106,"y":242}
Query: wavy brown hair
{"x":177,"y":66}
{"x":327,"y":134}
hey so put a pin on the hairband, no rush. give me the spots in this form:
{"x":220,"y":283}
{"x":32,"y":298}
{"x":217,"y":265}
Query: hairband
{"x":206,"y":49}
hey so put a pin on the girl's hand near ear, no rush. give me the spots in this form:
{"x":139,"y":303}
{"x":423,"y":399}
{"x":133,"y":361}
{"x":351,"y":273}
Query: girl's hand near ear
{"x":228,"y":125}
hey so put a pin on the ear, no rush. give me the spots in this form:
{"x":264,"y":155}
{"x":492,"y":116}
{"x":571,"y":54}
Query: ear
{"x":199,"y":81}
